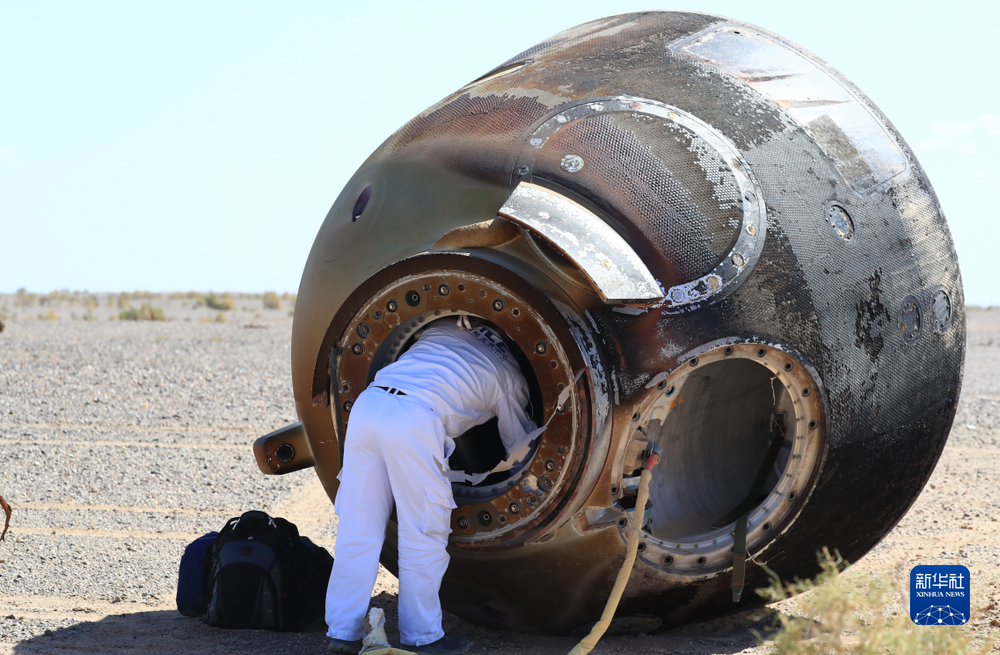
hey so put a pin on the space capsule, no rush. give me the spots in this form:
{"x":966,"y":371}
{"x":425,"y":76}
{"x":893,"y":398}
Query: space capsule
{"x":719,"y":246}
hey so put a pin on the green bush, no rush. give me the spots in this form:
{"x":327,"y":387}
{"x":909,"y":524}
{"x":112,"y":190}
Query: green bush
{"x":144,"y":313}
{"x":272,"y":300}
{"x":222,"y":302}
{"x":857,"y":616}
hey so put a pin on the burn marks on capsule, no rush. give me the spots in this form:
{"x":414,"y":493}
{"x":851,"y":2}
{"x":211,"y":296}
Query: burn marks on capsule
{"x":871,"y":319}
{"x":865,"y":153}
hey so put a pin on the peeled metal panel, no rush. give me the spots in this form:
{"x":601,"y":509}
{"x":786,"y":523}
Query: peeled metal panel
{"x":608,"y":262}
{"x":866,"y":155}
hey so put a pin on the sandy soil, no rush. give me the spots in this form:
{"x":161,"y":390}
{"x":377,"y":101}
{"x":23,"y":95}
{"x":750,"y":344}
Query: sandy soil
{"x":123,"y":441}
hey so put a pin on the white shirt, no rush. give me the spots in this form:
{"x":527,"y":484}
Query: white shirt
{"x":467,"y":377}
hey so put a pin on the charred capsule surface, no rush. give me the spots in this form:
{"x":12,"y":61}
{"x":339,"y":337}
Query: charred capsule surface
{"x":699,"y":237}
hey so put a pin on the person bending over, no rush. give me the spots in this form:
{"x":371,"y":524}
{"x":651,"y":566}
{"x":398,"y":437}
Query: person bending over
{"x":400,"y":434}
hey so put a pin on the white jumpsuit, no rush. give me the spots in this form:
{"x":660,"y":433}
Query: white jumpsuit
{"x":396,"y":449}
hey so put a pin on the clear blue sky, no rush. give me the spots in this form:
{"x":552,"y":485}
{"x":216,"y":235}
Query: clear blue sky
{"x":198,"y":145}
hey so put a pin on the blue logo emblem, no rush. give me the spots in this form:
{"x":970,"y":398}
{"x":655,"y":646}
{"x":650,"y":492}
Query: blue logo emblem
{"x":940,"y":595}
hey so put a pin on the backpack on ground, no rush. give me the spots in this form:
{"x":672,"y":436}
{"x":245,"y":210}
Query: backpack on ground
{"x":261,"y":574}
{"x":191,"y":599}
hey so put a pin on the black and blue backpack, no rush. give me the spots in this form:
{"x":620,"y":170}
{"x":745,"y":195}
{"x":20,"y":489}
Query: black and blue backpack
{"x":256,"y":573}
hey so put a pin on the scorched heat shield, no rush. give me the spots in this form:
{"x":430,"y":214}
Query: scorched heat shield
{"x":701,"y":238}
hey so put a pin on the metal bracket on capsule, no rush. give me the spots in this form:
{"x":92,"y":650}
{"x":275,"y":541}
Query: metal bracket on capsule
{"x":608,"y":262}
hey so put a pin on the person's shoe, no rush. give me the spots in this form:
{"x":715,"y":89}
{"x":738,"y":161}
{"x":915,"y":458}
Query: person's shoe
{"x":444,"y":646}
{"x":344,"y":647}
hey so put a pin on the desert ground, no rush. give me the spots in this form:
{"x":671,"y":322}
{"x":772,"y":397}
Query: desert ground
{"x":121,"y":441}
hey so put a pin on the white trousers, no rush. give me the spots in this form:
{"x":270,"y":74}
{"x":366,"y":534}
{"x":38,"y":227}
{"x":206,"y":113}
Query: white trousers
{"x":394,"y":450}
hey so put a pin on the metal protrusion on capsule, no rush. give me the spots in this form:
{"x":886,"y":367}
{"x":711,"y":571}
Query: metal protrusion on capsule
{"x":463,"y":522}
{"x":751,"y":229}
{"x":358,"y":348}
{"x":541,"y":347}
{"x":444,"y":290}
{"x":571,"y":163}
{"x":738,"y":259}
{"x":522,"y":170}
{"x":498,"y":305}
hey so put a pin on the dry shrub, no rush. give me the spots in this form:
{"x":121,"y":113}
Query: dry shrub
{"x":49,"y":316}
{"x":272,"y":300}
{"x":858,"y":616}
{"x":24,"y":299}
{"x":223,"y":302}
{"x":144,"y":313}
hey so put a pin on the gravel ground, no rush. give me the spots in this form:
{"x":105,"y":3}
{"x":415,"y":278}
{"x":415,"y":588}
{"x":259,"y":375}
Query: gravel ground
{"x":122,"y":441}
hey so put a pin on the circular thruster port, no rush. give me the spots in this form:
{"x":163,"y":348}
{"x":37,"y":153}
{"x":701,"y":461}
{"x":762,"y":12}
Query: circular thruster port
{"x":941,"y":309}
{"x":909,"y":319}
{"x":840,"y":221}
